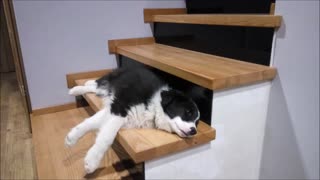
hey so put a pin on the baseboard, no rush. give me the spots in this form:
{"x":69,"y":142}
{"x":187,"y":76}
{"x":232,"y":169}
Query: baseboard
{"x":71,"y":78}
{"x":54,"y":109}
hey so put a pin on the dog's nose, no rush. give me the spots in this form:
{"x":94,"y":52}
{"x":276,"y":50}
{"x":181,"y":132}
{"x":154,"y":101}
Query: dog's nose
{"x":193,"y":131}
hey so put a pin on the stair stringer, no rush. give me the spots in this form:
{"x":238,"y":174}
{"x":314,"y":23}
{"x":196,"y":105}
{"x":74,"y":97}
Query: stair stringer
{"x":239,"y":116}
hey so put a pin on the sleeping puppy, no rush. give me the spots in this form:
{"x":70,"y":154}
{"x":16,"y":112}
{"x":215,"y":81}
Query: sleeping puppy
{"x":133,"y":98}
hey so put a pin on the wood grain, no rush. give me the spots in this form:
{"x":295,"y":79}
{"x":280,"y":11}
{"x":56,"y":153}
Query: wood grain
{"x":54,"y":161}
{"x":53,"y":109}
{"x":212,"y":72}
{"x":17,"y":160}
{"x":147,"y":144}
{"x":113,"y":44}
{"x":149,"y":13}
{"x":221,"y":19}
{"x":82,"y":75}
{"x":272,"y":8}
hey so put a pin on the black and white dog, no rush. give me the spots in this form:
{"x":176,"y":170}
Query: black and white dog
{"x":133,"y":98}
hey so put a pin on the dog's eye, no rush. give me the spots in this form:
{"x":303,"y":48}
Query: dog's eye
{"x":189,"y":112}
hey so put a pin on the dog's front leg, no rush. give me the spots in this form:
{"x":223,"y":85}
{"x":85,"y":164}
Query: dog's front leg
{"x":89,"y":87}
{"x":92,"y":123}
{"x":104,"y":140}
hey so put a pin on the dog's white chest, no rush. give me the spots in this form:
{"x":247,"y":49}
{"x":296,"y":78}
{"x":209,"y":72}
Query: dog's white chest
{"x":140,"y":117}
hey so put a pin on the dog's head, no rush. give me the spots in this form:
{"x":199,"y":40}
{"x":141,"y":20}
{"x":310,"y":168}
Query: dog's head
{"x":183,"y":113}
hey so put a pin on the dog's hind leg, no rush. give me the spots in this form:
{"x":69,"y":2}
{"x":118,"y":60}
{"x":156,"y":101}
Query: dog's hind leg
{"x":104,"y":140}
{"x":89,"y":86}
{"x":90,"y":83}
{"x":92,"y":123}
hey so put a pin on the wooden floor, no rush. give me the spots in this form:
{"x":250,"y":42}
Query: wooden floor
{"x":55,"y":161}
{"x":17,"y":160}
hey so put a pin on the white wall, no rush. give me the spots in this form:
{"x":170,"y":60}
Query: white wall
{"x":291,"y":143}
{"x":239,"y":116}
{"x":60,"y":37}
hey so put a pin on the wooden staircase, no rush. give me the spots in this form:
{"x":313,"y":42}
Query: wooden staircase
{"x":209,"y":71}
{"x":212,"y":72}
{"x":180,"y":16}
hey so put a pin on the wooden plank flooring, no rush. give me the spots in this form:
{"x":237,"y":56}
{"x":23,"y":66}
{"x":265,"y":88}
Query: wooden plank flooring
{"x":17,"y":160}
{"x":55,"y":161}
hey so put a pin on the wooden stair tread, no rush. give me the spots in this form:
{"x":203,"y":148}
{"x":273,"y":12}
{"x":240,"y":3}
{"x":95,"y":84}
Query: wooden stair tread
{"x":93,"y":100}
{"x":248,"y":20}
{"x":212,"y":72}
{"x":55,"y":161}
{"x":147,"y":144}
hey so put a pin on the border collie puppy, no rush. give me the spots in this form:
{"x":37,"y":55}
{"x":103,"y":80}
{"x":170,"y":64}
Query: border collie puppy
{"x":133,"y":98}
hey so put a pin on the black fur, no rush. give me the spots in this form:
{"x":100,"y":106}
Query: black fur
{"x":137,"y":85}
{"x":174,"y":103}
{"x":130,"y":87}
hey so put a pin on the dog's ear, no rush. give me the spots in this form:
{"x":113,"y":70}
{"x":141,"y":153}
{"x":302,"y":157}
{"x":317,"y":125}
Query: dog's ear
{"x":167,"y":98}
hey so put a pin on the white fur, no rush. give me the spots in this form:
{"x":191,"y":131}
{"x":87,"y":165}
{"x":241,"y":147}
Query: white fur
{"x":140,"y":116}
{"x":108,"y":124}
{"x":181,"y":127}
{"x":92,"y":123}
{"x":90,"y":83}
{"x":79,"y":90}
{"x":104,"y":140}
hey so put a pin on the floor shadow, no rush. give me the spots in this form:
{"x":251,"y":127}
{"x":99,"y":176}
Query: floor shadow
{"x":120,"y":166}
{"x":134,"y":176}
{"x":123,"y":165}
{"x":136,"y":171}
{"x":98,"y":173}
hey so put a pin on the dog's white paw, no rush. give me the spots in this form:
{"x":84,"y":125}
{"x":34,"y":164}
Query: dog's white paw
{"x":75,"y":91}
{"x":70,"y":140}
{"x":72,"y":91}
{"x":92,"y":160}
{"x":90,"y":83}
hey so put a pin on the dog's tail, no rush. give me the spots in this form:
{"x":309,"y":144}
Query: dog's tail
{"x":89,"y":87}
